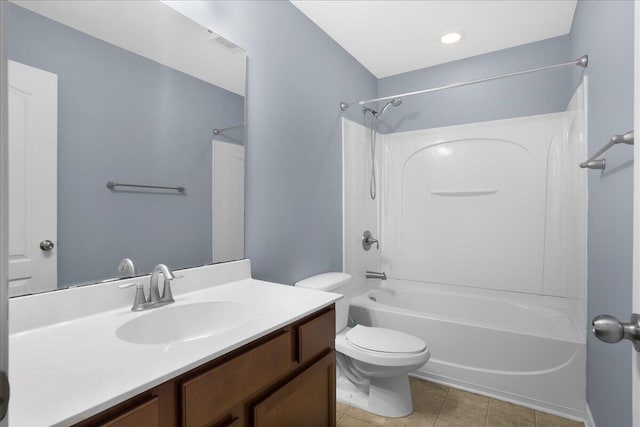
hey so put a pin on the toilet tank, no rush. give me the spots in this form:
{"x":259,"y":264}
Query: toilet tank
{"x":337,"y":283}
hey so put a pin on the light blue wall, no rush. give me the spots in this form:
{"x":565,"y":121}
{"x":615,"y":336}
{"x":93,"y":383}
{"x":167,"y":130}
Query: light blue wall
{"x":124,"y":118}
{"x":604,"y":30}
{"x":297,"y":76}
{"x":536,"y":93}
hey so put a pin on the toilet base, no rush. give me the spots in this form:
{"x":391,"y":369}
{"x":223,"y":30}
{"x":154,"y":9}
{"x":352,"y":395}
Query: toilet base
{"x":386,"y":396}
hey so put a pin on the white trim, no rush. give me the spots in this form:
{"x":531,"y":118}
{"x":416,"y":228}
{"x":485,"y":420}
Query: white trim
{"x":4,"y":198}
{"x":344,"y":214}
{"x":635,"y":358}
{"x":588,"y":417}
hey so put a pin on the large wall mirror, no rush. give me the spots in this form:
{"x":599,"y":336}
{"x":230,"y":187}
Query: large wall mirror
{"x":105,"y":93}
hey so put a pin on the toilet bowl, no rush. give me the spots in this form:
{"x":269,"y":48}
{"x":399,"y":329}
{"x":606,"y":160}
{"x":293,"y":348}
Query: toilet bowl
{"x":373,"y":363}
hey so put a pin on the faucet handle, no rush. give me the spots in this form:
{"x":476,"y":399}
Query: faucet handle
{"x":368,"y":240}
{"x":140,"y":300}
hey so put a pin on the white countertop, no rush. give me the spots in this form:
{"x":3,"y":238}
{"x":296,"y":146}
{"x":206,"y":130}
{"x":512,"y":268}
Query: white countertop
{"x":68,"y":371}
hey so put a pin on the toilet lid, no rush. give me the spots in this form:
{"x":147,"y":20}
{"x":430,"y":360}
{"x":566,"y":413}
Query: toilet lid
{"x":384,"y":340}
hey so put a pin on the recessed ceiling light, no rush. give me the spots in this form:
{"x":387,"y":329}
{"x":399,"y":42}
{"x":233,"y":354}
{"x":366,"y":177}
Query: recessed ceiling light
{"x":452,"y":37}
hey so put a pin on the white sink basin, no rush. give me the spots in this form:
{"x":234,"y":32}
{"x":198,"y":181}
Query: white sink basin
{"x":182,"y":323}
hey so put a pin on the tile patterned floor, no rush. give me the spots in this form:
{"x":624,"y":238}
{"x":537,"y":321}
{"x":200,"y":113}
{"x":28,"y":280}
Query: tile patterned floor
{"x":436,"y":405}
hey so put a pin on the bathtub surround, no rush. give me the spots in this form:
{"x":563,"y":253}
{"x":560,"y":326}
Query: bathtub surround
{"x":483,"y":238}
{"x":491,"y":196}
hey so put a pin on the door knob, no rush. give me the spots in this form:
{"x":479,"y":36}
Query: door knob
{"x":46,"y":245}
{"x":609,"y":329}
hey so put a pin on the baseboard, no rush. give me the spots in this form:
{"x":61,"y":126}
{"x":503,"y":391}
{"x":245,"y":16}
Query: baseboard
{"x":588,"y":417}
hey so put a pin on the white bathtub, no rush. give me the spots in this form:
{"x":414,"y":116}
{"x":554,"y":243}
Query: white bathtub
{"x":517,"y":347}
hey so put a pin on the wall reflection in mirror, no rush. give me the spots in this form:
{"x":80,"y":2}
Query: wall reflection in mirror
{"x":128,"y":92}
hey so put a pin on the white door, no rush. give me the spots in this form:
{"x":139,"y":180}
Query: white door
{"x":228,"y":202}
{"x":635,"y":375}
{"x":33,"y":154}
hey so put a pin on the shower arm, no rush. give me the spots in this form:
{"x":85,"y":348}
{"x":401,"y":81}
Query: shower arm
{"x":583,"y":61}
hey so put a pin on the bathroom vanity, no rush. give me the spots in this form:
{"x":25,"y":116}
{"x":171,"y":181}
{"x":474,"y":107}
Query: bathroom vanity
{"x":285,"y":378}
{"x":274,"y":366}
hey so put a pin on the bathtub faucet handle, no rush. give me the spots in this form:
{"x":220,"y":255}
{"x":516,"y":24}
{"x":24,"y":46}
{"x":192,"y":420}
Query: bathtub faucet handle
{"x":368,"y":241}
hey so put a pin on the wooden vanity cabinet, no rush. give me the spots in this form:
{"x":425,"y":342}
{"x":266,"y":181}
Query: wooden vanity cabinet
{"x":286,"y":378}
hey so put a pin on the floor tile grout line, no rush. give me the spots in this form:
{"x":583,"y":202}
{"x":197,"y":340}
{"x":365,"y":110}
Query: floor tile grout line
{"x":446,"y":396}
{"x":486,"y":413}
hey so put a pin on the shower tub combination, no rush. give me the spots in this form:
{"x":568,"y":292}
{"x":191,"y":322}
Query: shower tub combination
{"x":482,"y":230}
{"x":522,"y":349}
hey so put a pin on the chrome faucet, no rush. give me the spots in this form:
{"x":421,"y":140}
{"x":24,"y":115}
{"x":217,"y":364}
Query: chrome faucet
{"x":141,"y":302}
{"x":126,"y":266}
{"x":154,"y":293}
{"x":376,"y":275}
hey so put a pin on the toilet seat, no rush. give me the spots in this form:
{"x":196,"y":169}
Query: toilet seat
{"x":384,"y":340}
{"x":381,"y":358}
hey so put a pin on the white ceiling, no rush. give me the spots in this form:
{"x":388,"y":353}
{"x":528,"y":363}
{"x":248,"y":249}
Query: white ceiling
{"x":393,"y":37}
{"x":153,"y":30}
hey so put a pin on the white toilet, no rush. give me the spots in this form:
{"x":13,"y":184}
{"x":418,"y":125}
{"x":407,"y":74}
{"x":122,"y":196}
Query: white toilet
{"x":373,"y":363}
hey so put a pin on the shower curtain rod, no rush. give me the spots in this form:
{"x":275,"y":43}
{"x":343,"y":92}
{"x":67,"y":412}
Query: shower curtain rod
{"x":580,"y":62}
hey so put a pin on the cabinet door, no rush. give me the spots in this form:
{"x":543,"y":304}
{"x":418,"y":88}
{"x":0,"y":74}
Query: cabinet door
{"x":207,"y":398}
{"x":309,"y":399}
{"x":143,"y":415}
{"x":315,"y":336}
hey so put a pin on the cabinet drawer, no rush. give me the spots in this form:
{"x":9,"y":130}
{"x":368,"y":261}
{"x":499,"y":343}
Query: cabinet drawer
{"x":144,"y":415}
{"x":316,"y":336}
{"x":307,"y":400}
{"x":207,"y":397}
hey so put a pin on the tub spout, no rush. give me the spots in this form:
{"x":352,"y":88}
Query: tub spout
{"x":376,"y":275}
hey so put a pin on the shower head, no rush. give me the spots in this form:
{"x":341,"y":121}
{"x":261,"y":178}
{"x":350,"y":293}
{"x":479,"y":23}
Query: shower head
{"x":394,"y":102}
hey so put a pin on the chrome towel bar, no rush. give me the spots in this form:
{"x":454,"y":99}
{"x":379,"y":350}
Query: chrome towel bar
{"x":112,"y":186}
{"x":595,"y":163}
